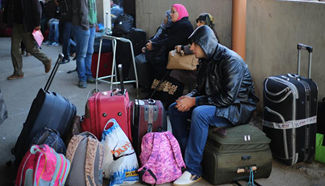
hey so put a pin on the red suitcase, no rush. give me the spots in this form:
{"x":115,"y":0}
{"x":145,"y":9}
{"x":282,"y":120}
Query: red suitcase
{"x":105,"y":65}
{"x":147,"y":116}
{"x":102,"y":106}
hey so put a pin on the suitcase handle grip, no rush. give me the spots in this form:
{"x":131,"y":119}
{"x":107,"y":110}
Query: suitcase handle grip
{"x":246,"y":169}
{"x":305,"y":47}
{"x":151,"y":101}
{"x":301,"y":46}
{"x":246,"y":157}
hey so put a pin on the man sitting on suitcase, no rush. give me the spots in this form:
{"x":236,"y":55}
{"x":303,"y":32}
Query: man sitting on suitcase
{"x":224,"y":96}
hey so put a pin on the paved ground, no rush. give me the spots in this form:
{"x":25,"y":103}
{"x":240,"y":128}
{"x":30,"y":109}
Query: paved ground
{"x":19,"y":94}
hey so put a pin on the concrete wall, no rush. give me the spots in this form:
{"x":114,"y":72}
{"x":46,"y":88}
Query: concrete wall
{"x":273,"y":30}
{"x":150,"y":14}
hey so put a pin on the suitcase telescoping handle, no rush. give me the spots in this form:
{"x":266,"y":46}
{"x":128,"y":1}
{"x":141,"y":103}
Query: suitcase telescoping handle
{"x":55,"y":69}
{"x":301,"y":46}
{"x":120,"y":72}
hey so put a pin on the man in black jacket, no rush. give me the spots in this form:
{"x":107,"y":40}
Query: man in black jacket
{"x":25,"y":17}
{"x":224,"y":97}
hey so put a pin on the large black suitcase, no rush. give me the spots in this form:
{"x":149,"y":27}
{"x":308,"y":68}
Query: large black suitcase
{"x":290,"y":112}
{"x":143,"y":71}
{"x":48,"y":109}
{"x":123,"y":54}
{"x":244,"y":150}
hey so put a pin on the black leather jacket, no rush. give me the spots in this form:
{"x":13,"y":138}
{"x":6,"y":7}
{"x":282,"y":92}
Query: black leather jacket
{"x":223,"y":79}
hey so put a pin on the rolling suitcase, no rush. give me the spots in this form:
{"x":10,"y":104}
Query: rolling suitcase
{"x":102,"y":106}
{"x":49,"y":109}
{"x":123,"y":54}
{"x":290,"y":106}
{"x":231,"y":158}
{"x":146,"y":116}
{"x":143,"y":71}
{"x":105,"y":67}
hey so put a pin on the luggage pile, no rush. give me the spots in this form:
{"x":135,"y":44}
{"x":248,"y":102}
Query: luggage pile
{"x":126,"y":141}
{"x":57,"y":147}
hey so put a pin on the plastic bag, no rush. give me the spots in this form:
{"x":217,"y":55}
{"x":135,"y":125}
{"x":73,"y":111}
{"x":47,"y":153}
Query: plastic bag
{"x":120,"y":162}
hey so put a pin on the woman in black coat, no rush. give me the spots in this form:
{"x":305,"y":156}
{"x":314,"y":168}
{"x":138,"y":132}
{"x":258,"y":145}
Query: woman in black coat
{"x":177,"y":33}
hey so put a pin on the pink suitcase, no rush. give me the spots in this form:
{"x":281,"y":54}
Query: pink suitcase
{"x":102,"y":106}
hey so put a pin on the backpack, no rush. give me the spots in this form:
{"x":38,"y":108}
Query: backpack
{"x":41,"y":165}
{"x":51,"y":138}
{"x":161,"y":158}
{"x":122,"y":25}
{"x":86,"y":155}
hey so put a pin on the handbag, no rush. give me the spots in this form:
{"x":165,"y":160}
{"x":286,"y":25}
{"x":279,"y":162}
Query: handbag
{"x":167,"y":90}
{"x":181,"y":62}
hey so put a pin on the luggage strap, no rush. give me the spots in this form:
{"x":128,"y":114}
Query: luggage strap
{"x":287,"y":124}
{"x":290,"y":124}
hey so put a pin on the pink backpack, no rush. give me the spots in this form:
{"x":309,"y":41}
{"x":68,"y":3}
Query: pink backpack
{"x":42,"y":166}
{"x":161,"y":158}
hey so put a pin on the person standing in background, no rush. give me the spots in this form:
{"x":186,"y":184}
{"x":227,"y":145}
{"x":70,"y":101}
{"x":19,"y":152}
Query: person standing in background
{"x":66,"y":19}
{"x":25,"y":16}
{"x":84,"y":19}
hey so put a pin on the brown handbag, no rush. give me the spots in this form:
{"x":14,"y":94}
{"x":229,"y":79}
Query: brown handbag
{"x":181,"y":62}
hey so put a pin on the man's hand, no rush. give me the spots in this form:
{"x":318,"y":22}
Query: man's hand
{"x":149,"y":45}
{"x":185,"y":103}
{"x":37,"y":28}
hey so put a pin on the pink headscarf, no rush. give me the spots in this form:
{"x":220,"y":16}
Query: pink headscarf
{"x":182,"y":12}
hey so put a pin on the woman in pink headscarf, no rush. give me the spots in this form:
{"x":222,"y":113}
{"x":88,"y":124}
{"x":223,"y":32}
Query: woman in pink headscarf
{"x":175,"y":34}
{"x":178,"y":11}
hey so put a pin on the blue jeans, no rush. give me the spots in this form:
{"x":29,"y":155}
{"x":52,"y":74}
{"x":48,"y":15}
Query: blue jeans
{"x":54,"y":30}
{"x":67,"y":42}
{"x":84,"y":50}
{"x":193,"y":141}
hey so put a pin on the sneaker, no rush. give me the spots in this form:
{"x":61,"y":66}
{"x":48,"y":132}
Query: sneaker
{"x":13,"y":76}
{"x":187,"y":179}
{"x":54,"y":44}
{"x":82,"y":84}
{"x":48,"y":66}
{"x":65,"y":60}
{"x":91,"y":80}
{"x":47,"y":42}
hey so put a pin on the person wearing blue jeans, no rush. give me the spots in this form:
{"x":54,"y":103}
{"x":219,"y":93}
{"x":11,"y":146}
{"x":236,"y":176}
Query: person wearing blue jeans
{"x":224,"y":97}
{"x":54,"y":32}
{"x":201,"y":118}
{"x":84,"y":19}
{"x":67,"y":42}
{"x":84,"y":51}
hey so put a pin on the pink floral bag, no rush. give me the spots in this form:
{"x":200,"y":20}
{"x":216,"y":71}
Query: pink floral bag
{"x":41,"y":165}
{"x":161,"y":158}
